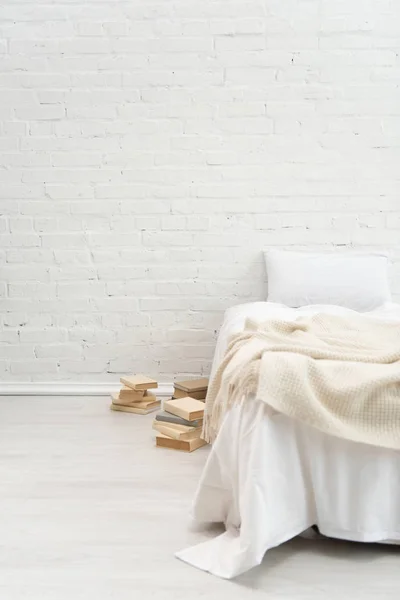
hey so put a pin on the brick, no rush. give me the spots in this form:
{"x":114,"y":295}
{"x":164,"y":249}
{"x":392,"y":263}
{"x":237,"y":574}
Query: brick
{"x":84,"y":335}
{"x":173,"y":223}
{"x":16,"y":352}
{"x":63,"y":240}
{"x":252,"y":76}
{"x":84,"y":367}
{"x":45,"y":112}
{"x":50,"y":335}
{"x":9,"y":336}
{"x":75,"y":272}
{"x":37,"y":366}
{"x":180,"y":238}
{"x":20,"y":240}
{"x":32,"y":290}
{"x":59,"y":350}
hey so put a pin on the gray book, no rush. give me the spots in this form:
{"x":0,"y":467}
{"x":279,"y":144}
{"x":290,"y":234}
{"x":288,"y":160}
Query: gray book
{"x":168,"y":418}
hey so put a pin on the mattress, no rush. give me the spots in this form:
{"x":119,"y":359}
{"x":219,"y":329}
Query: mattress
{"x":281,"y":476}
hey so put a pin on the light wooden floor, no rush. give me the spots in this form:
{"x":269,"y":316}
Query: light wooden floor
{"x":91,"y":510}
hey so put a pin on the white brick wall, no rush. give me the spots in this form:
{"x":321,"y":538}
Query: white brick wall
{"x":151,"y":149}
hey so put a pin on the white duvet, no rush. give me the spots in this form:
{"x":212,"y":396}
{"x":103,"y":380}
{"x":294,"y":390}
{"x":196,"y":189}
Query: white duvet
{"x":269,"y":478}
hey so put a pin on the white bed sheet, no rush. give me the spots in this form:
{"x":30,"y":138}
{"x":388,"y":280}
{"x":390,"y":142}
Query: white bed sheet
{"x":280,"y":476}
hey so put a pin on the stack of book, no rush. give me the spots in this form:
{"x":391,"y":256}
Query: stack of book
{"x":135,"y":397}
{"x":195,"y":388}
{"x":179,"y":426}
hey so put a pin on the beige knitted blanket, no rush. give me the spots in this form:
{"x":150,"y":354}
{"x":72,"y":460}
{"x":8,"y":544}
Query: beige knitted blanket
{"x":340,"y":375}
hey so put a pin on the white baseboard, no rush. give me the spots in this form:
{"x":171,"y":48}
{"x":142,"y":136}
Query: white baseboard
{"x":58,"y":388}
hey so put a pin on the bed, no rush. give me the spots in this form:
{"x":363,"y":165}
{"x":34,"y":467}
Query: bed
{"x":281,"y":476}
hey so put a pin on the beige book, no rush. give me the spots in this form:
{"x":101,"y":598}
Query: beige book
{"x":116,"y":399}
{"x":178,"y":432}
{"x":139,"y":382}
{"x":130,"y":395}
{"x":133,"y":409}
{"x":149,"y":404}
{"x":185,"y":445}
{"x":192,"y":385}
{"x":143,"y":403}
{"x":187,"y":408}
{"x":201,"y":395}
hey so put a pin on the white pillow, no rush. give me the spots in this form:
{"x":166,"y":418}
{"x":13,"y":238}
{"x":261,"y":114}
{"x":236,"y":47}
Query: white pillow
{"x":353,"y":280}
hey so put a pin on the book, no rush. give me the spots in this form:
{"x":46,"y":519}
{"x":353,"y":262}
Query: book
{"x":187,"y":408}
{"x":133,"y":409}
{"x":150,"y":404}
{"x":145,"y":402}
{"x":139,"y":382}
{"x":185,"y":445}
{"x":166,"y":417}
{"x":178,"y":432}
{"x":200,"y":395}
{"x":130,"y":395}
{"x":123,"y":401}
{"x":192,"y":385}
